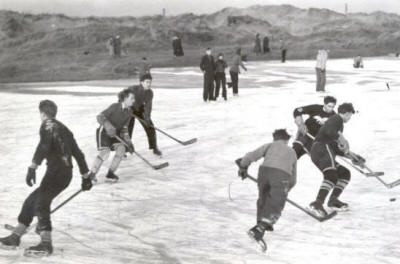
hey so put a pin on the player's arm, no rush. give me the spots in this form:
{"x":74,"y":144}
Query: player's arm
{"x":42,"y":150}
{"x":254,"y":155}
{"x":104,"y":119}
{"x":298,"y":116}
{"x":148,"y":107}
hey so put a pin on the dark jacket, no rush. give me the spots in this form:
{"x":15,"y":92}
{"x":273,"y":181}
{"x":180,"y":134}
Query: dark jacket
{"x":116,"y":115}
{"x":57,"y":145}
{"x":207,"y":64}
{"x":220,"y":66}
{"x":143,"y":101}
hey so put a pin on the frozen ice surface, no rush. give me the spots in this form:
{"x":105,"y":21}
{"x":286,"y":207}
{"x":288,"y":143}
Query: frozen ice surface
{"x":182,"y":213}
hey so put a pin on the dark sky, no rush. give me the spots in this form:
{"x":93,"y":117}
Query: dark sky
{"x":151,"y":7}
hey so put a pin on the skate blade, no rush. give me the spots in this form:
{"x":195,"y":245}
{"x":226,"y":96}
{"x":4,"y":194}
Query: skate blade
{"x":260,"y":242}
{"x":5,"y":247}
{"x":35,"y":254}
{"x":316,"y":212}
{"x":111,"y":181}
{"x":340,"y":209}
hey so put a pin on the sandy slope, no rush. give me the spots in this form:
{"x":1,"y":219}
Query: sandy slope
{"x":182,"y":214}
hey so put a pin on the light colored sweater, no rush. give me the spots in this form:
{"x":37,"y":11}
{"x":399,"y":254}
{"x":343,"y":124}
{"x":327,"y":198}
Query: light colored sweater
{"x":276,"y":155}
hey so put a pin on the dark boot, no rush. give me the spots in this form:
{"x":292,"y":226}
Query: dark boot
{"x":337,"y":205}
{"x":318,"y":209}
{"x":157,"y":152}
{"x":10,"y":242}
{"x":111,"y":177}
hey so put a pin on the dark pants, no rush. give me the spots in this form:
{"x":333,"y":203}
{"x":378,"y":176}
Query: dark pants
{"x":220,"y":78}
{"x":321,"y":79}
{"x":336,"y":177}
{"x":208,"y":88}
{"x":302,"y":145}
{"x":283,"y":55}
{"x":148,"y":128}
{"x":39,"y":201}
{"x":235,"y":81}
{"x":273,"y":188}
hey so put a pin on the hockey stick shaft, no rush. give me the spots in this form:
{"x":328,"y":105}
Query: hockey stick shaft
{"x":296,"y":205}
{"x":51,"y":212}
{"x":191,"y":141}
{"x":388,"y":185}
{"x":156,"y":167}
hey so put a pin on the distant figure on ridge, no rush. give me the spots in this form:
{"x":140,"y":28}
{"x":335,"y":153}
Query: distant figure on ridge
{"x":177,"y":46}
{"x":358,"y":62}
{"x":257,"y":45}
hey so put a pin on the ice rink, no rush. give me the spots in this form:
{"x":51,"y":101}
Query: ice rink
{"x":182,"y":214}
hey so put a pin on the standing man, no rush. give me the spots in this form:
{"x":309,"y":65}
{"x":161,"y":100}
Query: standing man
{"x":142,"y":109}
{"x":320,"y":68}
{"x":220,"y":77}
{"x":235,"y":70}
{"x":117,"y":46}
{"x":257,"y":45}
{"x":144,"y":67}
{"x":283,"y":49}
{"x":113,"y":122}
{"x":276,"y":176}
{"x":328,"y":143}
{"x":317,"y":116}
{"x":266,"y":44}
{"x":207,"y":66}
{"x":177,"y":47}
{"x":57,"y":145}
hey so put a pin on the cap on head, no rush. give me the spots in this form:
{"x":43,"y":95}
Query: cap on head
{"x":146,"y":76}
{"x":329,"y":99}
{"x":280,"y":134}
{"x":346,"y":108}
{"x":48,"y":107}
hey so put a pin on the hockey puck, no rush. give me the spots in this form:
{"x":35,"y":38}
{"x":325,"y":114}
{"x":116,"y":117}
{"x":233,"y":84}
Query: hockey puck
{"x":392,"y":199}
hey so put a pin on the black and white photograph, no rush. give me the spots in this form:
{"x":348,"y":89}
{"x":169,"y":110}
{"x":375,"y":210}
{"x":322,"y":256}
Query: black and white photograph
{"x":188,"y":131}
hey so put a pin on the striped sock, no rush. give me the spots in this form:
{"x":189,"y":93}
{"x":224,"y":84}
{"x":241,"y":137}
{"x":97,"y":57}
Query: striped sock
{"x":324,"y":190}
{"x":339,"y":187}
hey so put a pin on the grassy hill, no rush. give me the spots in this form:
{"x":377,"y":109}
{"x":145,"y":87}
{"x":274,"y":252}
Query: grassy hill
{"x":55,"y":47}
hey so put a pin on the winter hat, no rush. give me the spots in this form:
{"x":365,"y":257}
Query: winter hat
{"x":280,"y":134}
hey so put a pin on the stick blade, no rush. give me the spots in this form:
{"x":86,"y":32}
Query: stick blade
{"x":394,"y":184}
{"x":328,"y":216}
{"x":374,"y":174}
{"x":161,"y":166}
{"x":191,"y":141}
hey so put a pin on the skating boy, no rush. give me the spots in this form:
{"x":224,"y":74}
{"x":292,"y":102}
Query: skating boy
{"x":317,"y":116}
{"x":114,"y":122}
{"x":57,"y":145}
{"x":276,"y":176}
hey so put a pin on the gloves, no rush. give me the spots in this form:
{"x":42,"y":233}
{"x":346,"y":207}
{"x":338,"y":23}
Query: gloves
{"x":130,"y":148}
{"x":357,"y":160}
{"x":31,"y":176}
{"x":86,"y":182}
{"x":303,"y":129}
{"x":242,"y":173}
{"x":110,"y":129}
{"x":242,"y":170}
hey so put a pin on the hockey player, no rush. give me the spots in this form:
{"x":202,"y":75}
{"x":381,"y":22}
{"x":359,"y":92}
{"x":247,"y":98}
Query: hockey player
{"x":57,"y":145}
{"x":328,"y":143}
{"x":114,"y":122}
{"x":142,"y":108}
{"x":317,"y":115}
{"x":276,"y":176}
